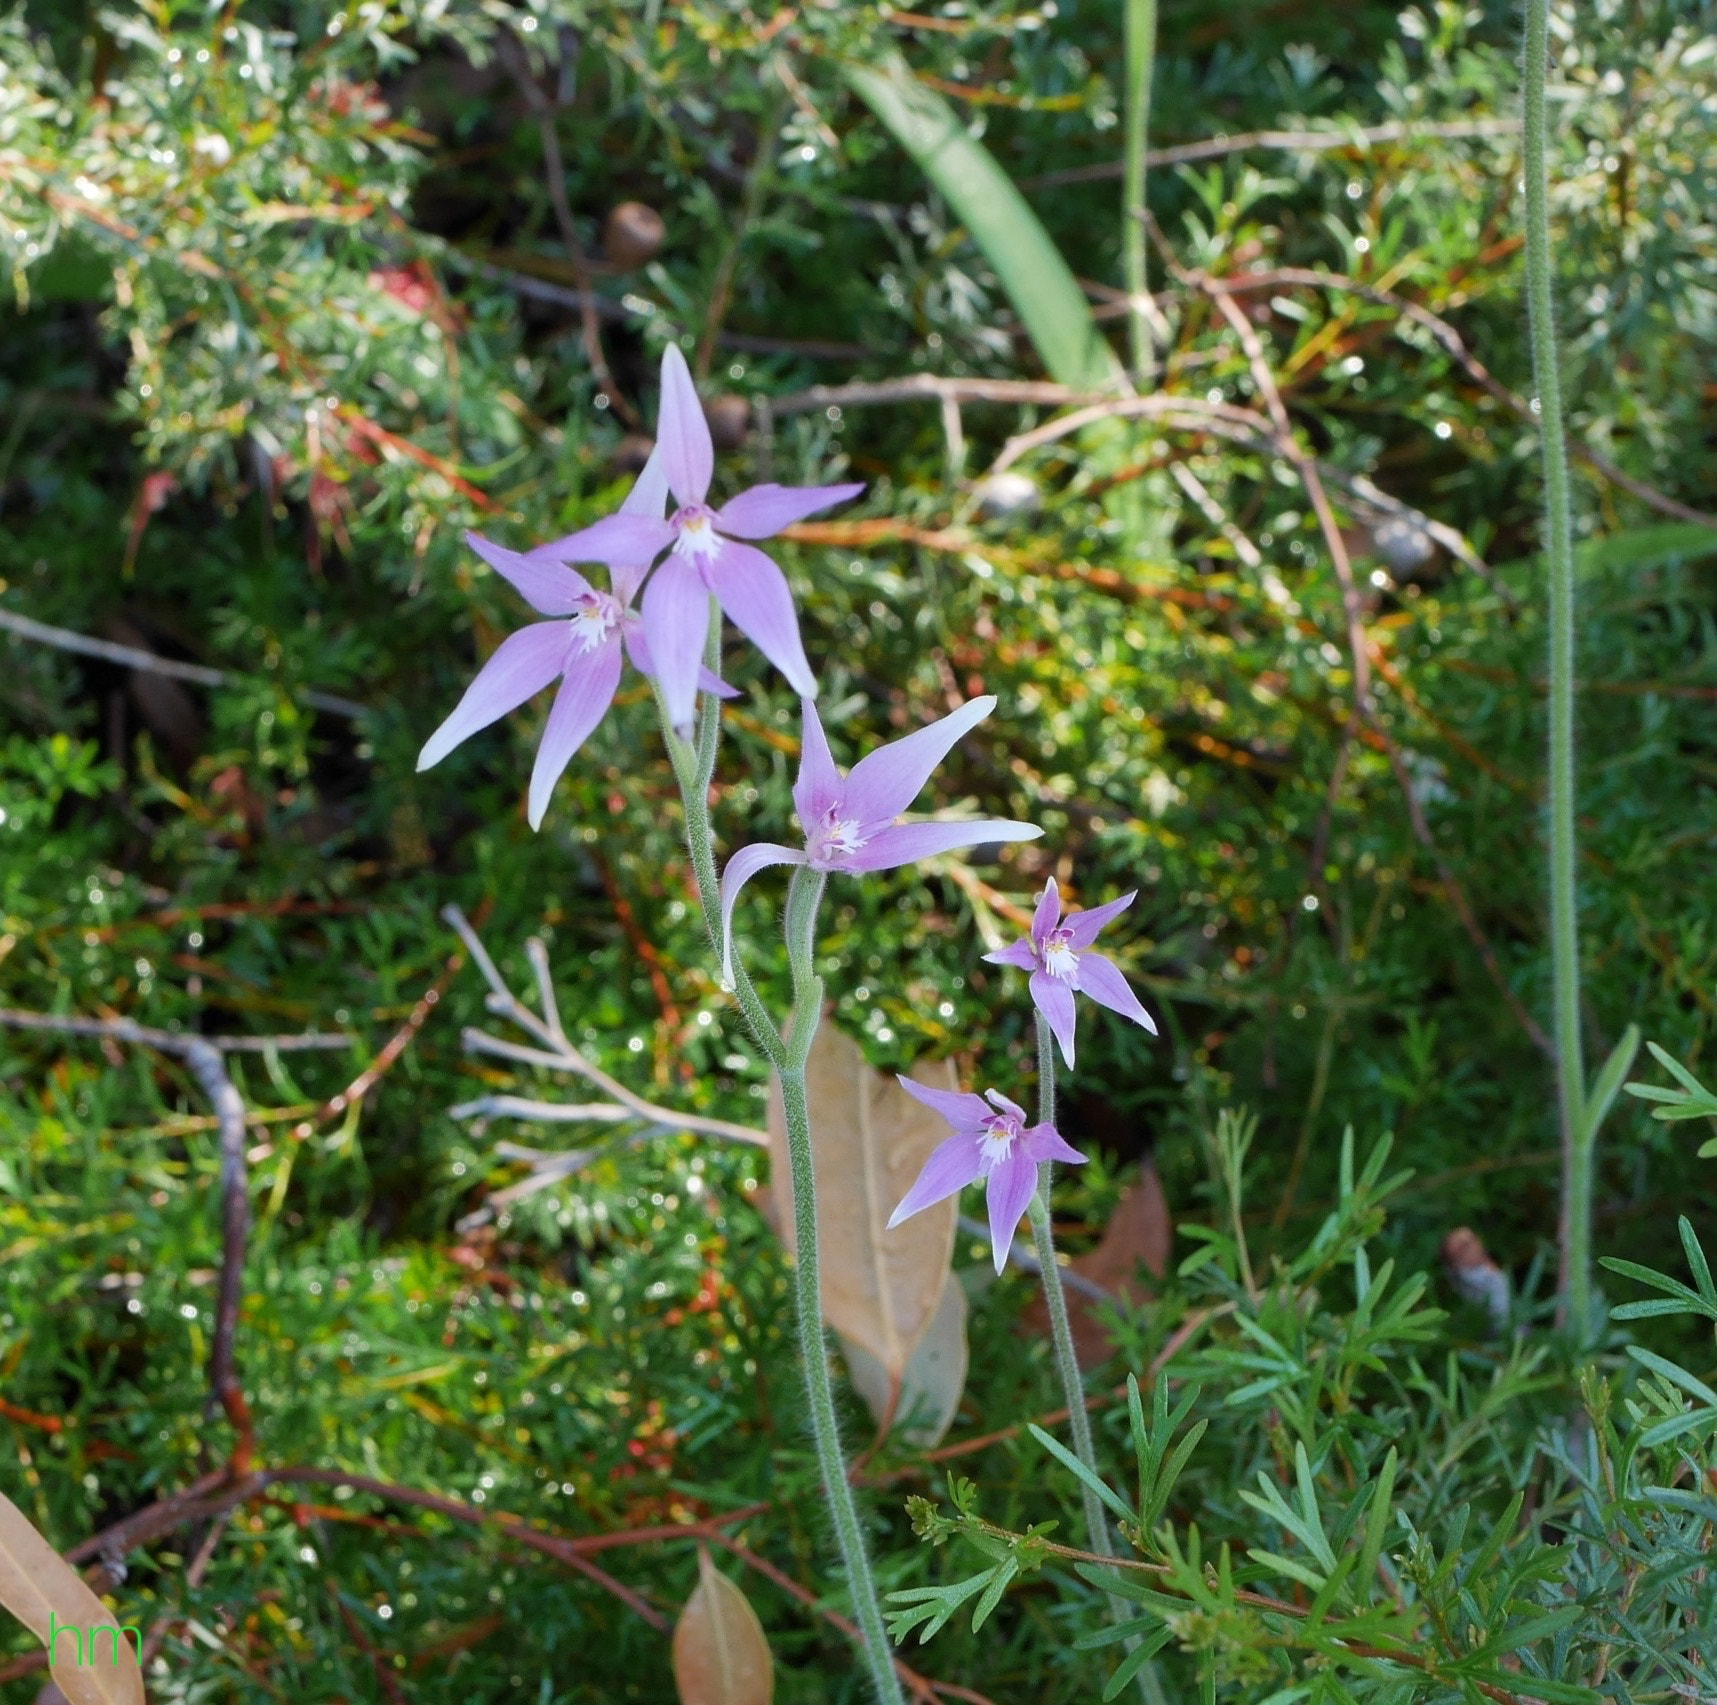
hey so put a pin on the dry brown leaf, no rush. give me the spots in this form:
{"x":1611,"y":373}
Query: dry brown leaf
{"x":1139,"y":1234}
{"x":37,"y":1584}
{"x":720,"y":1654}
{"x":869,"y":1140}
{"x":927,"y":1397}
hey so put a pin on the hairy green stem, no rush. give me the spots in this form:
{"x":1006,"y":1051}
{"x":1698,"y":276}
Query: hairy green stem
{"x":804,"y":895}
{"x":694,"y":768}
{"x":1061,"y":1331}
{"x":1141,"y":56}
{"x":1574,"y":1288}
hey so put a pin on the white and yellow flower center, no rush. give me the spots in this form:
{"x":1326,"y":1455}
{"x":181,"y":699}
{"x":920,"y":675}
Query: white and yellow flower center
{"x":996,"y":1143}
{"x":1059,"y":959}
{"x":697,"y":537}
{"x":834,"y":838}
{"x":594,"y":619}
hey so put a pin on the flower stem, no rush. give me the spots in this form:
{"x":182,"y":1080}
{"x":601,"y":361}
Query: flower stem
{"x":803,"y":898}
{"x":1574,"y":1288}
{"x":1066,"y":1359}
{"x":694,"y":767}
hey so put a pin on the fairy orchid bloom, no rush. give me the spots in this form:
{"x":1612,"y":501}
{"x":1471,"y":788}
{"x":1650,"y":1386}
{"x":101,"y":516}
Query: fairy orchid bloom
{"x":1058,"y":955}
{"x":850,"y":821}
{"x":581,"y":647}
{"x":992,"y":1142}
{"x":706,"y":553}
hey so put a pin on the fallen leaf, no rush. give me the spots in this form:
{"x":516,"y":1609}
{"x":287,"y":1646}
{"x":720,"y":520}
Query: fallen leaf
{"x":720,"y":1654}
{"x":869,"y":1140}
{"x":1139,"y":1234}
{"x":45,"y":1592}
{"x":927,"y":1397}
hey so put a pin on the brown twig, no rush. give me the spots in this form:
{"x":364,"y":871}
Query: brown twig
{"x":202,"y":1057}
{"x":1260,"y":1601}
{"x":1455,"y":347}
{"x":1359,"y":650}
{"x":512,"y":55}
{"x":1290,"y":141}
{"x":922,"y":1686}
{"x":372,"y":1074}
{"x":1177,"y":1341}
{"x":134,"y":657}
{"x":757,"y":180}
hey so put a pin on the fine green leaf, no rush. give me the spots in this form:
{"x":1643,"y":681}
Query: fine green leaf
{"x":1038,"y":281}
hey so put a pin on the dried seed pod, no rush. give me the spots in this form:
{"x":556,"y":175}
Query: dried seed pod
{"x":631,"y":453}
{"x":1002,"y":495}
{"x":729,"y":421}
{"x":632,"y":235}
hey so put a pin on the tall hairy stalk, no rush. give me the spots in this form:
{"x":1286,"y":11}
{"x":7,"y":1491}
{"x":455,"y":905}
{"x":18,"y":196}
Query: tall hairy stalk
{"x":1578,"y":1132}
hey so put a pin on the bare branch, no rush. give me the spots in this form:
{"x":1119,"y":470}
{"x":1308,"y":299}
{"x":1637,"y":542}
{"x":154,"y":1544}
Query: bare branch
{"x":1288,"y":141}
{"x":134,"y":657}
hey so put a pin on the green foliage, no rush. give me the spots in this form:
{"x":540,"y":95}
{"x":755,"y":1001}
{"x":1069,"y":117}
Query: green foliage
{"x":1407,"y":1567}
{"x":273,"y":340}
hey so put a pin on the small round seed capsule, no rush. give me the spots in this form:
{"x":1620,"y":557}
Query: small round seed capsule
{"x":729,"y":421}
{"x":632,"y":235}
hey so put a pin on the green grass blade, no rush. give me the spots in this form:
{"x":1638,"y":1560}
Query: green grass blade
{"x":1038,"y":281}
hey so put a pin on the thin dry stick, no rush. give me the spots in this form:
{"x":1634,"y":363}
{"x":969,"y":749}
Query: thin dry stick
{"x":1455,"y":347}
{"x":921,"y":1687}
{"x":133,"y":657}
{"x":557,"y":1053}
{"x":1262,"y":1601}
{"x":1358,"y":646}
{"x":554,"y":168}
{"x":757,"y":180}
{"x":1291,"y":141}
{"x":202,"y":1057}
{"x":1177,"y":1341}
{"x":371,"y":1075}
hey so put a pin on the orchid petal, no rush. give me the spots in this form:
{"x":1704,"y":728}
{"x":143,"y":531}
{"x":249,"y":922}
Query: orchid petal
{"x":550,"y":588}
{"x":999,"y":1101}
{"x":682,"y":433}
{"x":619,"y":538}
{"x":638,"y":649}
{"x":1021,"y":955}
{"x":1010,"y":1188}
{"x":883,"y":784}
{"x":648,"y":497}
{"x":649,"y":493}
{"x":675,"y":625}
{"x":524,"y":663}
{"x":763,"y":510}
{"x":906,"y":843}
{"x":819,"y":784}
{"x":1082,"y":927}
{"x":583,"y":700}
{"x":1044,"y":1142}
{"x":962,"y":1110}
{"x":739,"y":870}
{"x":1101,"y":979}
{"x":951,"y":1167}
{"x":753,"y":592}
{"x":1048,"y":913}
{"x":1054,"y":1000}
